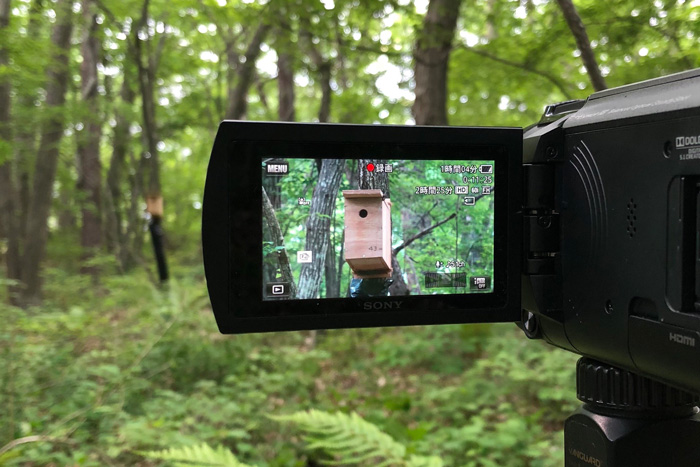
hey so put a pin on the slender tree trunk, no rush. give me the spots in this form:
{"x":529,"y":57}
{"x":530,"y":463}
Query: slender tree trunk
{"x":7,"y":189}
{"x":431,"y":56}
{"x":134,"y":225}
{"x":340,"y":262}
{"x":330,"y":270}
{"x":583,"y":43}
{"x":9,"y":222}
{"x":90,"y":176}
{"x":340,"y":45}
{"x":238,"y":102}
{"x":146,"y":78}
{"x":318,"y":226}
{"x":285,"y":88}
{"x":47,"y":156}
{"x":147,"y":63}
{"x":323,"y":68}
{"x":233,"y":61}
{"x":275,"y":233}
{"x":324,"y":111}
{"x":26,"y":133}
{"x":116,"y":236}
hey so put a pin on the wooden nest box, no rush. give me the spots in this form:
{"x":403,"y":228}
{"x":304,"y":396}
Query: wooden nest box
{"x":368,"y":233}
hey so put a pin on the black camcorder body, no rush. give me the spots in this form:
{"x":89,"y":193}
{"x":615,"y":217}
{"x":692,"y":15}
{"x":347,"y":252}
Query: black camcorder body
{"x":583,"y":228}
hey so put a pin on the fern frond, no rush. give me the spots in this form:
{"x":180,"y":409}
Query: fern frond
{"x":349,"y":439}
{"x":201,"y":455}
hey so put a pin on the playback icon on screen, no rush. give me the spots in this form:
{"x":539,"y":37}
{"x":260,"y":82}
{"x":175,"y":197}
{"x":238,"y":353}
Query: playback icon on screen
{"x":278,"y":289}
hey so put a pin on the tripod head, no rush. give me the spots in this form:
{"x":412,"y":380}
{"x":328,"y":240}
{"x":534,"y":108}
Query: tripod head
{"x":627,"y":419}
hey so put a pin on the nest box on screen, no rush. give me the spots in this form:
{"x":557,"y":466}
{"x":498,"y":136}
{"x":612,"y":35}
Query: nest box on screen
{"x":368,"y":233}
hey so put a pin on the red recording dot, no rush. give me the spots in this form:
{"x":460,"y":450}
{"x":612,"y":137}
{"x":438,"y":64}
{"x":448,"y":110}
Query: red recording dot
{"x":370,"y":167}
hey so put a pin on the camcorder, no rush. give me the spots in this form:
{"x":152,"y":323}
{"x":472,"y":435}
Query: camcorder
{"x":582,"y":229}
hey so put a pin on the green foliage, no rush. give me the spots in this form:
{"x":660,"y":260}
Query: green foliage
{"x":442,"y":349}
{"x":494,"y":416}
{"x":133,"y":369}
{"x":350,"y":440}
{"x":202,"y":455}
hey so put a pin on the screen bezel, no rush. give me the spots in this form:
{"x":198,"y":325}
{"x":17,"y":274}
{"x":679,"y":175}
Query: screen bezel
{"x":232,"y":223}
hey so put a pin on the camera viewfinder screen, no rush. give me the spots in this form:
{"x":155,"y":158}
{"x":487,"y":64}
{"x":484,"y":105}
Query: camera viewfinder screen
{"x":337,"y":228}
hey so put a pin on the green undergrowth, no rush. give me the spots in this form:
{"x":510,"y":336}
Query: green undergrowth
{"x":105,"y":374}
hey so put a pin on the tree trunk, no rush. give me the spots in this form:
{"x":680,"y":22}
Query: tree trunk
{"x":373,"y":180}
{"x":134,"y":225}
{"x":275,"y":235}
{"x":146,"y":75}
{"x":26,"y":133}
{"x":90,"y":176}
{"x":238,"y":102}
{"x":330,"y":269}
{"x":323,"y":68}
{"x":9,"y":223}
{"x":7,"y":189}
{"x":285,"y":88}
{"x":431,"y":56}
{"x":116,"y":237}
{"x":318,"y":226}
{"x":324,"y":111}
{"x":583,"y":44}
{"x":47,"y":156}
{"x":146,"y":64}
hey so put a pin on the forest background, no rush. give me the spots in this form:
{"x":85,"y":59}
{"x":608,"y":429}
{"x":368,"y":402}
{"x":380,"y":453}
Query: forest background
{"x":108,"y":107}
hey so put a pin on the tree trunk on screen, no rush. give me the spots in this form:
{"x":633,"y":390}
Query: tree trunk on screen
{"x":431,"y":56}
{"x":330,"y":268}
{"x":583,"y":43}
{"x":90,"y":167}
{"x":47,"y":155}
{"x":318,"y":226}
{"x":238,"y":102}
{"x":275,"y":236}
{"x":373,"y":180}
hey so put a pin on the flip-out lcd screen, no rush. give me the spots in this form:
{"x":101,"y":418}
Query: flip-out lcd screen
{"x":309,"y":226}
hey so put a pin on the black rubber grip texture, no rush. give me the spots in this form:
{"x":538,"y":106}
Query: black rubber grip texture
{"x":615,"y":388}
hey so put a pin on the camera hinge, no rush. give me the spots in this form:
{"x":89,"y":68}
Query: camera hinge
{"x":540,"y":220}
